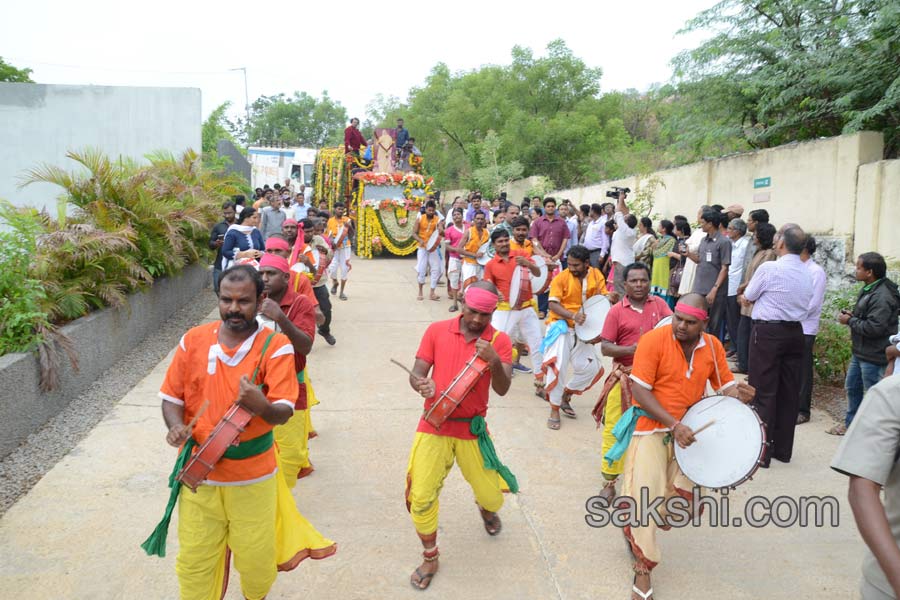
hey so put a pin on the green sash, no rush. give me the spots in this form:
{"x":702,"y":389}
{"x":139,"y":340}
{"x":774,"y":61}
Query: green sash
{"x":478,"y":427}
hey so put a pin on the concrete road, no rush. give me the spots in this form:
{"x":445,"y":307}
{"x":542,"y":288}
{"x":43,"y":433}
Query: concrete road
{"x":77,"y":533}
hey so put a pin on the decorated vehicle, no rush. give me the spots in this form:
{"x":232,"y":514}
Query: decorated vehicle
{"x":384,"y":204}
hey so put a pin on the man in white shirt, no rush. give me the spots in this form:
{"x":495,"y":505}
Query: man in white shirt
{"x":594,"y":237}
{"x":810,"y":327}
{"x":621,"y":249}
{"x":300,"y":208}
{"x":737,"y":231}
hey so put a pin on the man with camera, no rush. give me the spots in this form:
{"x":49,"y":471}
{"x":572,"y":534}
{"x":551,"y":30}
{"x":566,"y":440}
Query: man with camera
{"x":621,"y":248}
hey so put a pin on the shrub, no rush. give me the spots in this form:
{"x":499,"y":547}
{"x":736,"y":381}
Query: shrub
{"x":832,"y":352}
{"x":119,"y":226}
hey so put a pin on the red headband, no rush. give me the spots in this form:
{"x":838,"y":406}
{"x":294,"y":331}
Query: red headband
{"x":274,"y":243}
{"x":274,"y":261}
{"x":693,"y":311}
{"x":481,"y":300}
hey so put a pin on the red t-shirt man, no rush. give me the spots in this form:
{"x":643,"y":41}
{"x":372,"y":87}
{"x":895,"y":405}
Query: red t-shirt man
{"x":444,"y":347}
{"x":625,"y":324}
{"x":500,"y":272}
{"x":300,"y":311}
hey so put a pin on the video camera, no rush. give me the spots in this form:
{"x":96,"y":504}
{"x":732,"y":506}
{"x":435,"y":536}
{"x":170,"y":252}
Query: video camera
{"x":614,"y":193}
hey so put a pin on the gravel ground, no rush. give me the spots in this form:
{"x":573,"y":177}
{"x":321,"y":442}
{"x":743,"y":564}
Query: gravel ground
{"x":25,"y":466}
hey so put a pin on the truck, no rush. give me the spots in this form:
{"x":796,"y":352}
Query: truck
{"x":273,"y":164}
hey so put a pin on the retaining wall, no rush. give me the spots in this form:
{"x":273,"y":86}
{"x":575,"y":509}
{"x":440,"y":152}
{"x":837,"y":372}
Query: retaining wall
{"x":101,"y":339}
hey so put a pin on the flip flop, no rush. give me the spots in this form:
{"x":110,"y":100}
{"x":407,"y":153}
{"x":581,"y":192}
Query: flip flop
{"x":553,"y":424}
{"x":492,"y":523}
{"x":567,"y":410}
{"x":423,"y":578}
{"x":643,"y":595}
{"x":435,"y":298}
{"x":343,"y":296}
{"x":453,"y":308}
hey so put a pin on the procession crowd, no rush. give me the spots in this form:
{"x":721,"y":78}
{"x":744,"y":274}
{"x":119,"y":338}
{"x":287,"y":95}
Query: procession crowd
{"x":679,"y":308}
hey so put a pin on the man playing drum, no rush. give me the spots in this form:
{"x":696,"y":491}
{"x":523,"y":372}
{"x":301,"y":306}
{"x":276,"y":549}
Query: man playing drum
{"x":672,"y":366}
{"x":242,"y":506}
{"x":339,"y":230}
{"x":475,"y":237}
{"x":446,"y":349}
{"x":627,"y":321}
{"x":511,"y":270}
{"x":561,"y":347}
{"x":427,"y":233}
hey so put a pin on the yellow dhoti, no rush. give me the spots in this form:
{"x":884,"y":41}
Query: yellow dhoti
{"x":430,"y":461}
{"x":293,"y":445}
{"x":612,"y":412}
{"x":311,"y":400}
{"x":247,"y":519}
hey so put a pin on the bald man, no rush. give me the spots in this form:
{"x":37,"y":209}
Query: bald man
{"x":672,"y":366}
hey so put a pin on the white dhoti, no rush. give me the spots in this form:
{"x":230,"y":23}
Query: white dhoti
{"x":340,"y":263}
{"x":522,"y":324}
{"x":564,"y":352}
{"x":428,"y":260}
{"x":454,"y":272}
{"x":471,"y":271}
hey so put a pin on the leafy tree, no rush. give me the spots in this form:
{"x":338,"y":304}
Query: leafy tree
{"x":216,"y":127}
{"x":784,"y":70}
{"x":11,"y":74}
{"x":299,"y":119}
{"x":382,"y":111}
{"x":493,"y":175}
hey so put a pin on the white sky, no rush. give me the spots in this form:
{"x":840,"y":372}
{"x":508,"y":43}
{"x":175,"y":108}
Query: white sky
{"x":352,"y":49}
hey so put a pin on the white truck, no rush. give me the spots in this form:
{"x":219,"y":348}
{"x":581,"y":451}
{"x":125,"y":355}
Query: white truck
{"x":271,"y":165}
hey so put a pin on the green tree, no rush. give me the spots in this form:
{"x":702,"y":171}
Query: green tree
{"x":382,"y":111}
{"x":299,"y":119}
{"x":493,"y":175}
{"x":216,"y":127}
{"x":11,"y":74}
{"x":784,"y":70}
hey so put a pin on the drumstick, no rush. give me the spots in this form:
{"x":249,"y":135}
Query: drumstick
{"x":200,"y":412}
{"x":402,"y":366}
{"x":704,"y":427}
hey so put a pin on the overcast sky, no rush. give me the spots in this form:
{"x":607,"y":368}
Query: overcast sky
{"x":353,"y":50}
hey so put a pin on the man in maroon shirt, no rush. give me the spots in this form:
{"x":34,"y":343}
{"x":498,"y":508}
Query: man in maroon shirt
{"x":294,"y":315}
{"x":353,"y":139}
{"x":445,"y":350}
{"x":549,"y":235}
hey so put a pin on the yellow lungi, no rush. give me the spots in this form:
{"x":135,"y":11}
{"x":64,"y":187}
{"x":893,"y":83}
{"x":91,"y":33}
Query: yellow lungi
{"x":612,"y":412}
{"x":293,"y":445}
{"x":430,"y":461}
{"x":311,"y":400}
{"x":261,"y":525}
{"x":650,"y":463}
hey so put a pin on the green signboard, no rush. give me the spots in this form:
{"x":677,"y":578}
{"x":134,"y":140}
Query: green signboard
{"x":762,"y":182}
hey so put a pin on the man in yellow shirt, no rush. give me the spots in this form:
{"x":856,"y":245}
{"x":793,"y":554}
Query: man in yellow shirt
{"x":561,"y":347}
{"x":427,"y":225}
{"x":339,"y":230}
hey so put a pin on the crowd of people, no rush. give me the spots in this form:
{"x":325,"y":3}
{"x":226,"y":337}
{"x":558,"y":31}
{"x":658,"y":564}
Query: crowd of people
{"x":683,"y":309}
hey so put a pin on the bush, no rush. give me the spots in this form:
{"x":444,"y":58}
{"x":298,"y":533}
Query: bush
{"x":119,"y":226}
{"x":833,"y":349}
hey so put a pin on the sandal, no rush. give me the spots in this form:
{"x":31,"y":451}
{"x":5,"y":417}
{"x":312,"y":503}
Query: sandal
{"x":839,"y":429}
{"x":434,"y":297}
{"x":642,"y":595}
{"x":343,"y":296}
{"x":420,"y":297}
{"x":566,"y":409}
{"x":492,"y":524}
{"x":453,"y":308}
{"x":430,"y":556}
{"x":553,"y":423}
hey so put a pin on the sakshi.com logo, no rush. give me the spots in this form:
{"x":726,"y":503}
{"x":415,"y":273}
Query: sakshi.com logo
{"x":698,"y":509}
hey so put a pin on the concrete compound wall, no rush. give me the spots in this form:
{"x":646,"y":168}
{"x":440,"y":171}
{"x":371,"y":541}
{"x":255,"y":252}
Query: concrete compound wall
{"x":40,"y":123}
{"x":101,"y":339}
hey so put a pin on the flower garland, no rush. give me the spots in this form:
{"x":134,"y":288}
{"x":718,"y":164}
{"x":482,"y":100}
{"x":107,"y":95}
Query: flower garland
{"x":384,"y":226}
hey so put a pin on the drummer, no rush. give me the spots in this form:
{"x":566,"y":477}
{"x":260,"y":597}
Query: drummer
{"x":672,"y":366}
{"x":627,"y":321}
{"x":473,"y":241}
{"x":427,"y":233}
{"x":561,"y":347}
{"x":444,"y":351}
{"x":515,"y":314}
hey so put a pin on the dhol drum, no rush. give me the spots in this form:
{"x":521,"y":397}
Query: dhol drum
{"x":728,"y":452}
{"x":299,"y":267}
{"x":432,"y":242}
{"x":487,"y":253}
{"x":663,"y":322}
{"x":595,"y":309}
{"x":456,"y":392}
{"x":540,"y":283}
{"x":224,"y":435}
{"x":519,"y":287}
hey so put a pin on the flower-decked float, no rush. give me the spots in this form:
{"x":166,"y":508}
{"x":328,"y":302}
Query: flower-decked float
{"x":388,"y":204}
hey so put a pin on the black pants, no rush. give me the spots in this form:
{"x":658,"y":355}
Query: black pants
{"x":733,"y":319}
{"x":776,"y":357}
{"x":806,"y":375}
{"x":716,"y":315}
{"x":745,"y":330}
{"x":324,"y":299}
{"x":596,"y":256}
{"x":543,"y":302}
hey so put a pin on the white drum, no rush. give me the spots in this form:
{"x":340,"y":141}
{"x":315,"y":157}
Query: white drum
{"x":540,"y":283}
{"x":432,"y":242}
{"x":299,"y":267}
{"x":726,"y":453}
{"x":595,"y":309}
{"x":663,"y":322}
{"x":487,"y":253}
